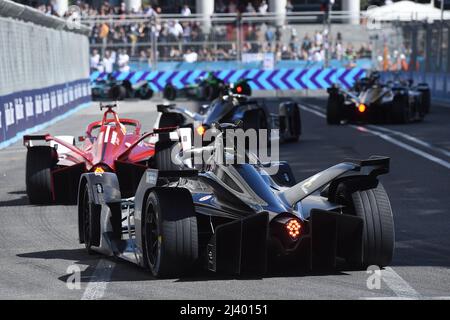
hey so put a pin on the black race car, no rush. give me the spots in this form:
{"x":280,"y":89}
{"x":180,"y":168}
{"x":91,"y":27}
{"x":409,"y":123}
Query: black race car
{"x":207,"y":89}
{"x":254,"y":114}
{"x":372,"y":101}
{"x":239,"y":218}
{"x":120,"y":89}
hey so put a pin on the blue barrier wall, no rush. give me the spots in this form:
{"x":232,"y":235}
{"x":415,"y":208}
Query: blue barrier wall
{"x":276,"y":79}
{"x":27,"y":111}
{"x":363,"y":63}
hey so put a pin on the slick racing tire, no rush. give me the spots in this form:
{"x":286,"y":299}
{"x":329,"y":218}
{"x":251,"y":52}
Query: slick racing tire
{"x":426,"y":100}
{"x":211,"y":92}
{"x":374,"y":208}
{"x":170,"y":232}
{"x":400,"y":109}
{"x":145,"y":92}
{"x":290,"y":122}
{"x":334,"y":109}
{"x":40,"y":161}
{"x":117,"y":92}
{"x":256,"y":119}
{"x":128,"y":88}
{"x":170,"y":92}
{"x":91,"y":221}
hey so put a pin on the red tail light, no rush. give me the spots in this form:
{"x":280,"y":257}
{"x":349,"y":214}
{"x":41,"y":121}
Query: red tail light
{"x":293,"y":228}
{"x":239,"y":89}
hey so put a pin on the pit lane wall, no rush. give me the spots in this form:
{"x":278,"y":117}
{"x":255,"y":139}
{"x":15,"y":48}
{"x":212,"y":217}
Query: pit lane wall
{"x":44,"y":71}
{"x":314,"y":78}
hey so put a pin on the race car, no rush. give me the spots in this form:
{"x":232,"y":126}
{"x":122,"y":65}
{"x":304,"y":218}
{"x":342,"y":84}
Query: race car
{"x":375,"y":102}
{"x":242,"y":218}
{"x":255,"y":114}
{"x":109,"y":88}
{"x":54,"y":164}
{"x":207,"y":89}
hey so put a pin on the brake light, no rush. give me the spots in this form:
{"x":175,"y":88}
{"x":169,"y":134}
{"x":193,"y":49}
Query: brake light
{"x":239,"y":89}
{"x":99,"y":170}
{"x":201,"y":130}
{"x":293,"y":227}
{"x":362,"y":108}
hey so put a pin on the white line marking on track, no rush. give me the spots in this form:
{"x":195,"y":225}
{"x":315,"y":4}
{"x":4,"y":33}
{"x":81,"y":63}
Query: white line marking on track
{"x":101,"y":276}
{"x":413,"y":139}
{"x":384,"y":136}
{"x":403,"y":145}
{"x":396,"y":283}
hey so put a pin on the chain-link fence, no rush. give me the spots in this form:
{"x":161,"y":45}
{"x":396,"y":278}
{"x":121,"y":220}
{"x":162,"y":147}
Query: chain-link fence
{"x":151,"y":40}
{"x":417,"y":46}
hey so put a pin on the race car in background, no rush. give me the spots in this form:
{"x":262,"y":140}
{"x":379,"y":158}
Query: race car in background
{"x":105,"y":89}
{"x":372,"y":101}
{"x":232,"y":108}
{"x":207,"y":89}
{"x":240,"y":218}
{"x":54,"y":164}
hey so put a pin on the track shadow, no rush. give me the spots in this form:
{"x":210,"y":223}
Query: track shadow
{"x":20,"y":201}
{"x":126,"y":271}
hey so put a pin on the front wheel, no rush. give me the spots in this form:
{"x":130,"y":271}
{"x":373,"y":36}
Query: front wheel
{"x":170,"y":232}
{"x":91,"y":221}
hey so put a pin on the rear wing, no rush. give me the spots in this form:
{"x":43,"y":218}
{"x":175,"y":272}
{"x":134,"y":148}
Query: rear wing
{"x":170,"y":131}
{"x":165,"y":107}
{"x":28,"y":142}
{"x":28,"y":139}
{"x":371,"y":168}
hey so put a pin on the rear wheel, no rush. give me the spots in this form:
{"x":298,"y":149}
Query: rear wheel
{"x":145,"y":92}
{"x":40,"y":161}
{"x":290,"y":122}
{"x":170,"y":232}
{"x":170,"y":92}
{"x":117,"y":92}
{"x":334,"y":109}
{"x":211,"y":92}
{"x":400,"y":109}
{"x":426,"y":100}
{"x":374,"y":208}
{"x":256,"y":119}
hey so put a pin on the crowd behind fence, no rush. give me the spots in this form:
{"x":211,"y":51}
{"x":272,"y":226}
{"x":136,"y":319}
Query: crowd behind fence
{"x":416,"y":46}
{"x":149,"y":39}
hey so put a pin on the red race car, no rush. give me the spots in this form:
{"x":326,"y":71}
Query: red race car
{"x":113,"y":144}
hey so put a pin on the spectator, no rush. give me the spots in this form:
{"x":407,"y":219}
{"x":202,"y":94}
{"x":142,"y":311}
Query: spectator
{"x":108,"y":62}
{"x":190,"y":56}
{"x":175,"y":30}
{"x":95,"y":60}
{"x":250,"y":8}
{"x":318,"y":39}
{"x":186,"y":11}
{"x":263,"y":7}
{"x":122,"y":61}
{"x":289,"y":6}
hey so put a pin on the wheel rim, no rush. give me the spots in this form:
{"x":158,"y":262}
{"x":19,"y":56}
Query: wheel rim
{"x":86,"y":215}
{"x":152,"y":242}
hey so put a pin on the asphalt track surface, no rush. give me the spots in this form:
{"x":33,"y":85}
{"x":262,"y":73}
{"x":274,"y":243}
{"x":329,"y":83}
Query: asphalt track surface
{"x":39,"y":245}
